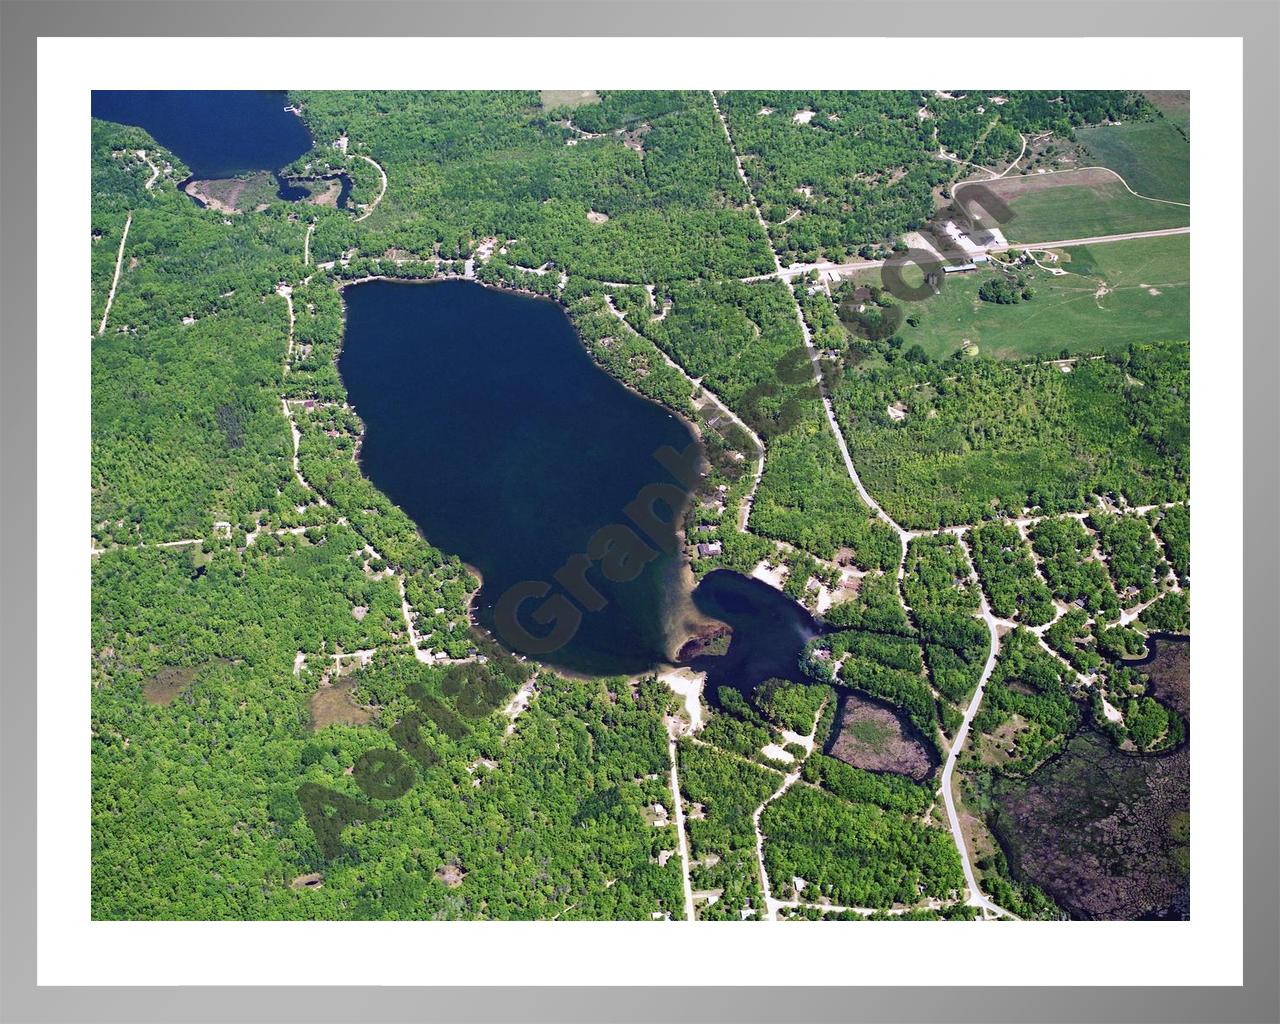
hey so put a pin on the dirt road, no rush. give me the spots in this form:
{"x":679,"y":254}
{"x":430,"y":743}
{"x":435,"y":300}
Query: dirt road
{"x":378,"y":198}
{"x":115,"y":280}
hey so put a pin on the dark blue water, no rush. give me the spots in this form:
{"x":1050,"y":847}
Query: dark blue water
{"x":489,"y":424}
{"x":216,"y":133}
{"x":770,"y":631}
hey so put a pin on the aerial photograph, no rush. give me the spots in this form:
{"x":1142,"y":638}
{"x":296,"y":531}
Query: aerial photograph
{"x":640,"y":505}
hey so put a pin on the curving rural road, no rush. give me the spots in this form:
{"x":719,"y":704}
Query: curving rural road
{"x":378,"y":198}
{"x":1077,"y":170}
{"x":976,"y":897}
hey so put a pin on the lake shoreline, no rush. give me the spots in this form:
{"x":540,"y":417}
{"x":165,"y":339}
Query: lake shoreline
{"x":694,"y":621}
{"x":532,"y":391}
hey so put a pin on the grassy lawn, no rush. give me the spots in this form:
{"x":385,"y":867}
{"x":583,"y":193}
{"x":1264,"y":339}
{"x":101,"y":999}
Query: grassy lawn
{"x":1085,"y":211}
{"x":1152,"y":156}
{"x":1065,"y":312}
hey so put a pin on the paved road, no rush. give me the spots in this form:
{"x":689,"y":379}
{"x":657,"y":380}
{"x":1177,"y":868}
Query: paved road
{"x":800,"y":269}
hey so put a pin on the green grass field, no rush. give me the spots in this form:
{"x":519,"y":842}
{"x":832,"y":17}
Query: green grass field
{"x":1176,"y":107}
{"x":1066,"y":312}
{"x":1086,"y":211}
{"x":1152,"y":156}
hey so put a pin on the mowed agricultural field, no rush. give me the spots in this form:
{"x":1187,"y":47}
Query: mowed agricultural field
{"x":1083,"y":203}
{"x":1147,"y":299}
{"x":1152,"y":156}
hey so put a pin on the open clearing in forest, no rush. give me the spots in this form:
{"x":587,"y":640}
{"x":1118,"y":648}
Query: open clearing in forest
{"x":1084,"y":203}
{"x":1065,"y":313}
{"x":335,"y":703}
{"x":875,"y":737}
{"x":170,"y":681}
{"x":552,"y":98}
{"x":1152,"y":156}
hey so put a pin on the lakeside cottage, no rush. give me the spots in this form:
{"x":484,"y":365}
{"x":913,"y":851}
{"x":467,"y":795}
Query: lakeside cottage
{"x":707,"y":550}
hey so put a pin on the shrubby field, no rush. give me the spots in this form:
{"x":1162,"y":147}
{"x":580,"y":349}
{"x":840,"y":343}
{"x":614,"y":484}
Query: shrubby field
{"x":1087,"y":205}
{"x":980,"y":438}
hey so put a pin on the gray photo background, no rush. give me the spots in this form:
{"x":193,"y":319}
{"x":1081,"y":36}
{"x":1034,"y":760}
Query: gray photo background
{"x":21,"y":23}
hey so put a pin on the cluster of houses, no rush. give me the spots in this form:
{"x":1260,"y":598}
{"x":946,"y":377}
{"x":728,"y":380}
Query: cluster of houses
{"x":715,"y":504}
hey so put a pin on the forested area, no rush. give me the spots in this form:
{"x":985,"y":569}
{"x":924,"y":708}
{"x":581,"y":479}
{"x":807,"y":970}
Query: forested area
{"x":979,"y":438}
{"x":1067,"y":560}
{"x":944,"y":598}
{"x":1170,"y":613}
{"x":790,"y":705}
{"x":547,"y":821}
{"x":463,"y":166}
{"x":1133,"y":558}
{"x":876,"y":607}
{"x":186,"y":429}
{"x":743,"y":342}
{"x":1173,"y":527}
{"x":856,"y":854}
{"x":1072,"y":636}
{"x":844,"y":173}
{"x":807,"y":498}
{"x":1008,"y":574}
{"x":884,"y":790}
{"x":722,"y":792}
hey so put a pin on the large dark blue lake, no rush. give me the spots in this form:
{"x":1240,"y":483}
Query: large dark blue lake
{"x":489,"y":424}
{"x":216,"y":133}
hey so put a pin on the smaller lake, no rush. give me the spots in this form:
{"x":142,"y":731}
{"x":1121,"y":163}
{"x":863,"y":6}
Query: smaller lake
{"x":769,"y":632}
{"x":217,"y":133}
